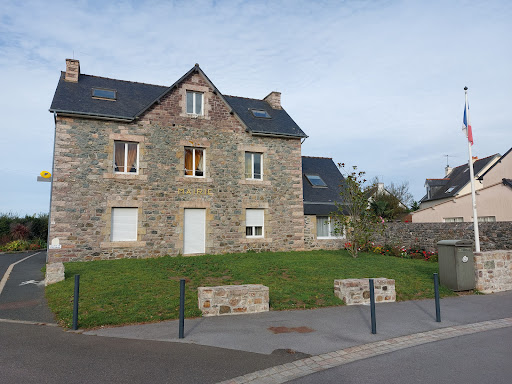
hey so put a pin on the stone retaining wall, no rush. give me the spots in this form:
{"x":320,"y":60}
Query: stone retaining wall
{"x":357,"y":291}
{"x":493,"y":236}
{"x":493,"y":271}
{"x":233,"y":299}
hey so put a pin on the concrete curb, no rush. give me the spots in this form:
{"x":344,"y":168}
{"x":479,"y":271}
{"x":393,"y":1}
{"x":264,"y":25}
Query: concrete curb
{"x":304,"y":367}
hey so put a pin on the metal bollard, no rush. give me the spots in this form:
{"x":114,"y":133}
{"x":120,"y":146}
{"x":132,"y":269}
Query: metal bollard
{"x":372,"y":307}
{"x":436,"y":291}
{"x":75,"y":302}
{"x":182,"y":308}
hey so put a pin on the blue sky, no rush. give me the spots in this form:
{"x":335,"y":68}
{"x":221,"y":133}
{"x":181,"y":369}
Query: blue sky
{"x":377,"y":84}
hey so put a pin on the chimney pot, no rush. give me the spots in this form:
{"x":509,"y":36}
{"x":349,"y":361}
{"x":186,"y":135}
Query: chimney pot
{"x":447,"y":170}
{"x":274,"y":99}
{"x":72,"y":70}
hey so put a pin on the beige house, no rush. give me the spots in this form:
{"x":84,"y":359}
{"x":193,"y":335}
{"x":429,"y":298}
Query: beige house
{"x":493,"y":187}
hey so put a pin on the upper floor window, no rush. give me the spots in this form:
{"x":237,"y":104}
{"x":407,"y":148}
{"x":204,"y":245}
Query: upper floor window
{"x":126,"y":157}
{"x":194,"y":162}
{"x":486,"y":219}
{"x":253,"y":167}
{"x":194,"y":103}
{"x":453,"y":220}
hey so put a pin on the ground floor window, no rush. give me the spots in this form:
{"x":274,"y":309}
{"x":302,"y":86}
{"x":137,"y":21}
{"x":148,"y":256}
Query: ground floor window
{"x":487,"y":219}
{"x":254,"y":219}
{"x":124,"y":224}
{"x":453,"y":220}
{"x":325,"y":228}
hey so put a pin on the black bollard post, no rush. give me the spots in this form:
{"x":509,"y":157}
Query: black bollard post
{"x":436,"y":290}
{"x":372,"y":307}
{"x":182,"y":308}
{"x":75,"y":302}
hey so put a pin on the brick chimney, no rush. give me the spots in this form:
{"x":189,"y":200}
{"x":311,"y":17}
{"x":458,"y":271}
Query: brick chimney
{"x":447,"y":170}
{"x":72,"y":70}
{"x":274,"y":99}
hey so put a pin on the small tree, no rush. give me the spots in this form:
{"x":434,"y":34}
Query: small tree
{"x":354,"y":213}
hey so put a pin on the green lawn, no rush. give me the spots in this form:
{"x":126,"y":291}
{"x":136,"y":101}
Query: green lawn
{"x":127,"y":291}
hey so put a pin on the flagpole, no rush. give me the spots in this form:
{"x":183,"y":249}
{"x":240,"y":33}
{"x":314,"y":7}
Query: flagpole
{"x":472,"y":177}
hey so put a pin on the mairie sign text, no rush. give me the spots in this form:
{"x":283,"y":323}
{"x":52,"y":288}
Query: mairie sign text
{"x":195,"y":191}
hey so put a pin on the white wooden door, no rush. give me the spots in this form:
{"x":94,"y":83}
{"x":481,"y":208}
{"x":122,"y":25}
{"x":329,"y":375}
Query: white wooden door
{"x":194,"y":231}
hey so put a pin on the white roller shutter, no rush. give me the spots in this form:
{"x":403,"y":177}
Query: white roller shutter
{"x":254,"y":217}
{"x":194,"y":231}
{"x":124,"y":224}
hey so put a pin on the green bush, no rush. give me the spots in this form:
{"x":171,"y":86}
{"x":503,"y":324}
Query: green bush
{"x":14,"y":227}
{"x":16,"y":245}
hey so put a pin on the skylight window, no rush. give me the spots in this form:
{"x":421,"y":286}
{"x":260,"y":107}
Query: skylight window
{"x":108,"y":94}
{"x":260,"y":113}
{"x":316,"y":181}
{"x":450,"y":189}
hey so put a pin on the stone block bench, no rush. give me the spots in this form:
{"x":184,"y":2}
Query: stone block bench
{"x":233,"y":299}
{"x":357,"y":291}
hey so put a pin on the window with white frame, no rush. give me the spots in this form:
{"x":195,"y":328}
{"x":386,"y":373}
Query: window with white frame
{"x":126,"y":157}
{"x":325,"y":228}
{"x":124,"y":224}
{"x":453,"y":219}
{"x":486,"y":219}
{"x":254,"y":219}
{"x":194,"y":162}
{"x":194,"y":103}
{"x":253,"y":166}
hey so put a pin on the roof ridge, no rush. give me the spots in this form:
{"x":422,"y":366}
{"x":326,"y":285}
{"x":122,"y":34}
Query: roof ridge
{"x":124,"y":81}
{"x":318,"y":157}
{"x":242,"y":97}
{"x":446,"y":178}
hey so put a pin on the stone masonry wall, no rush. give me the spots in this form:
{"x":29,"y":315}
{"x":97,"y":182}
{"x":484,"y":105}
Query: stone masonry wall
{"x":233,"y":299}
{"x":85,"y":188}
{"x":357,"y":291}
{"x":311,"y":242}
{"x":493,"y":236}
{"x":493,"y":271}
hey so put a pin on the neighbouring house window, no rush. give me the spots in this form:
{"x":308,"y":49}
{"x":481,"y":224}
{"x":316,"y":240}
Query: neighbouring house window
{"x":453,"y":220}
{"x":253,"y":167}
{"x":487,"y":219}
{"x":316,"y":181}
{"x":254,"y":222}
{"x":124,"y":224}
{"x":194,"y":103}
{"x":126,"y":157}
{"x":194,"y":162}
{"x":325,"y":228}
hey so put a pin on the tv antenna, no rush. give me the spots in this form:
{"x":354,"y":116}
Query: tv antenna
{"x":447,"y":156}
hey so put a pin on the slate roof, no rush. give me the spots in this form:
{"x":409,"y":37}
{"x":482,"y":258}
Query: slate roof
{"x":321,"y":200}
{"x":458,"y":178}
{"x":279,"y":123}
{"x":507,"y":182}
{"x":133,"y":99}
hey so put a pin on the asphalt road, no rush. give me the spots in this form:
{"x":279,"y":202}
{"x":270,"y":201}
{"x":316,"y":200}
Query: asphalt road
{"x":43,"y":354}
{"x":474,"y":359}
{"x":23,"y":295}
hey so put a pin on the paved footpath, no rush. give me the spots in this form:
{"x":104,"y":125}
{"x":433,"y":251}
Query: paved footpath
{"x":314,"y":364}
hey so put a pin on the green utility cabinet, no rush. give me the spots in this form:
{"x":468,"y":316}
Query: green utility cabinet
{"x":456,"y":264}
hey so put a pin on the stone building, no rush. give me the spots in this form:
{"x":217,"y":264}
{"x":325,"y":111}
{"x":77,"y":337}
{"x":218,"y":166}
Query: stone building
{"x":144,"y":170}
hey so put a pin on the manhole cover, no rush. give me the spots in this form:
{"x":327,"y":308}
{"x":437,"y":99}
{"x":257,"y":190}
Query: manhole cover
{"x":290,"y":329}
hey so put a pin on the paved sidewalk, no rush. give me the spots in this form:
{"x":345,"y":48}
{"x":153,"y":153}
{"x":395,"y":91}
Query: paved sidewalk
{"x":331,"y":329}
{"x":304,"y":367}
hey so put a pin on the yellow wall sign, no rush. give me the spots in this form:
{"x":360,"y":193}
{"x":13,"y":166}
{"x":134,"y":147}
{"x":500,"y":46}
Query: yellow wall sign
{"x":46,"y":174}
{"x":194,"y":191}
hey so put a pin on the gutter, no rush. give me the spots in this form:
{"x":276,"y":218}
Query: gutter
{"x":95,"y":115}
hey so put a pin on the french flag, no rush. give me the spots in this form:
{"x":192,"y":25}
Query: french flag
{"x":466,"y":124}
